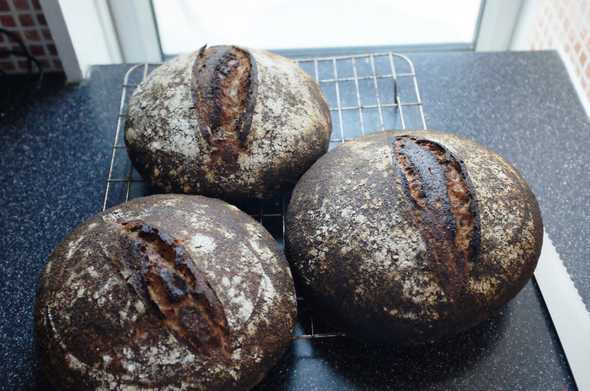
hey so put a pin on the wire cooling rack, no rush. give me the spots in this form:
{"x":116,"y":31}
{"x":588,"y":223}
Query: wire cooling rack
{"x":365,"y":93}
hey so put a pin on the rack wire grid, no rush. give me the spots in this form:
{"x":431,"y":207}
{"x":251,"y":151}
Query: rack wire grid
{"x":365,"y":93}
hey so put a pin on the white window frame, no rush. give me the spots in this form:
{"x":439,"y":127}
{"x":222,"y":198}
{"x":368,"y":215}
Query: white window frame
{"x":128,"y":33}
{"x":88,"y":32}
{"x":498,"y":24}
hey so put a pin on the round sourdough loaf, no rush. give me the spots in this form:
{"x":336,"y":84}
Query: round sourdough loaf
{"x":409,"y":237}
{"x":167,"y":292}
{"x":227,"y":122}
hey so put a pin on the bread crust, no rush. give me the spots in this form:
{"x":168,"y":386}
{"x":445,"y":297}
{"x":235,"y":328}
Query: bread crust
{"x":407,"y":245}
{"x":227,"y":122}
{"x":167,"y":292}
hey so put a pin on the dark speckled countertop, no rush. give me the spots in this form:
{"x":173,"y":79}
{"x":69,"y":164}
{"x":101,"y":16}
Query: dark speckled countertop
{"x":54,"y":156}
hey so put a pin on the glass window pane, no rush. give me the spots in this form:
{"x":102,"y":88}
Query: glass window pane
{"x":184,"y":25}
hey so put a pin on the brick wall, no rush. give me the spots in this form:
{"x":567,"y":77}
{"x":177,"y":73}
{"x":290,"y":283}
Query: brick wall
{"x":25,"y":18}
{"x":563,"y":25}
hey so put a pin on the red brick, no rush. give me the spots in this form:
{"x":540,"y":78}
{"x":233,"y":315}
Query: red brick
{"x":4,"y":5}
{"x":41,"y":19}
{"x":32,"y":35}
{"x":22,"y":5}
{"x":23,"y":65}
{"x":26,"y":20}
{"x":7,"y":66}
{"x":7,"y":21}
{"x":37,"y":50}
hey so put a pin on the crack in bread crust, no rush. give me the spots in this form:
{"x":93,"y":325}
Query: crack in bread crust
{"x":444,"y":208}
{"x":224,"y":86}
{"x":164,"y":276}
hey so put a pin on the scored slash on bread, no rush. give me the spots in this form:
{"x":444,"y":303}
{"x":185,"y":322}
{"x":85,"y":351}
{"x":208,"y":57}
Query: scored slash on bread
{"x":445,"y":210}
{"x":224,"y":92}
{"x":166,"y":278}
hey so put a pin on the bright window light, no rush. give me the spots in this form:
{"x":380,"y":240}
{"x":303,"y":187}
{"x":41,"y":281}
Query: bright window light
{"x":185,"y":25}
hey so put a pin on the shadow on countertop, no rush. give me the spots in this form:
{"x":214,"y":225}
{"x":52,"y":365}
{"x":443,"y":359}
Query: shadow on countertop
{"x":20,"y":92}
{"x":350,"y":364}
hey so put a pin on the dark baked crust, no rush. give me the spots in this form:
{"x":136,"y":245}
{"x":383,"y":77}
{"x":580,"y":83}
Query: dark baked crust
{"x":162,"y":273}
{"x":444,"y":207}
{"x":224,"y":92}
{"x":164,"y":292}
{"x":409,"y":237}
{"x":227,"y":122}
